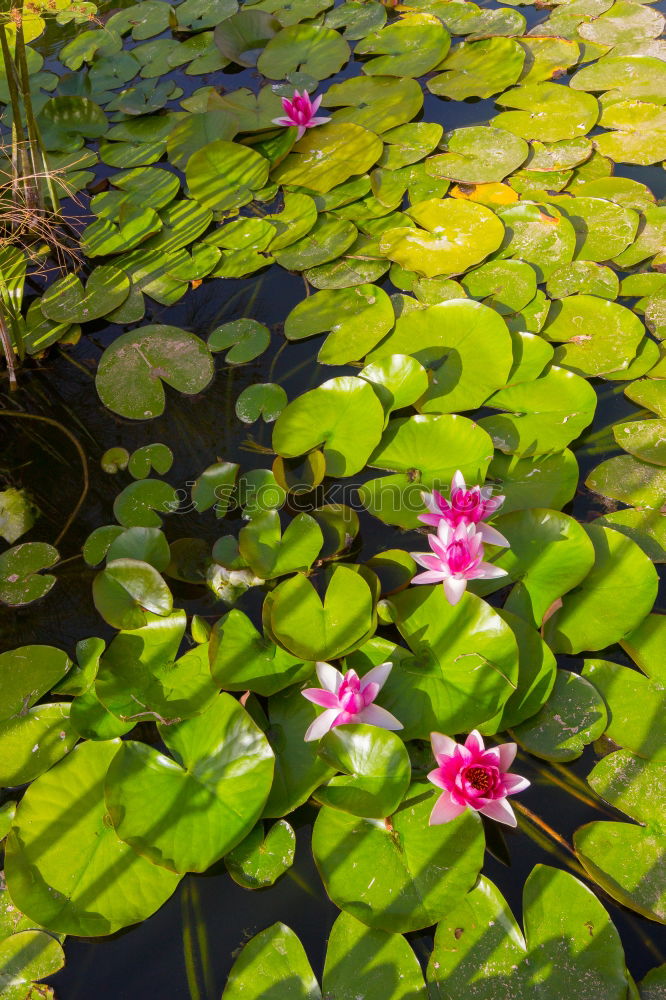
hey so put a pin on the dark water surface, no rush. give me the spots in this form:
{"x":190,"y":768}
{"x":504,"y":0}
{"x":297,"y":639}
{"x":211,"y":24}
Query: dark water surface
{"x":151,"y":960}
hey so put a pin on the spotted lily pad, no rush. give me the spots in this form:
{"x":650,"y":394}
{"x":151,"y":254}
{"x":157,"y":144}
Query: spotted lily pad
{"x":547,"y":111}
{"x":317,"y":51}
{"x":574,"y":716}
{"x":479,"y":69}
{"x":259,"y":860}
{"x":141,"y":360}
{"x":478,"y":154}
{"x":328,"y":156}
{"x":21,"y":579}
{"x":408,"y":47}
{"x":600,"y":336}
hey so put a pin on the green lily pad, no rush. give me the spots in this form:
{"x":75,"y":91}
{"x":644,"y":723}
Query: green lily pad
{"x":547,"y":58}
{"x":343,"y":414}
{"x":141,"y":360}
{"x":225,"y":175}
{"x":621,"y":857}
{"x":630,"y":480}
{"x":241,"y":37}
{"x":632,"y":75}
{"x":61,"y":854}
{"x":66,"y":301}
{"x":265,"y":399}
{"x":357,"y":318}
{"x":547,"y":414}
{"x":399,"y":380}
{"x":547,"y":111}
{"x":21,"y":579}
{"x":145,"y":19}
{"x":402,"y":874}
{"x":573,"y":716}
{"x":375,"y":766}
{"x":585,"y":277}
{"x":623,"y":22}
{"x":295,"y":220}
{"x":139,"y":503}
{"x":455,"y":235}
{"x":31,"y":743}
{"x":430,"y":447}
{"x":128,"y":588}
{"x":370,"y":963}
{"x":259,"y":861}
{"x":479,"y":69}
{"x":538,"y":235}
{"x":272,"y":966}
{"x":156,"y":456}
{"x":17,"y":514}
{"x":378,"y":103}
{"x":635,"y":707}
{"x":478,"y":154}
{"x":611,"y":601}
{"x":314,"y":629}
{"x":408,"y":47}
{"x":645,"y":527}
{"x":223,"y":768}
{"x":599,"y":335}
{"x":326,"y":241}
{"x":246,"y":337}
{"x":242,"y":660}
{"x":643,"y":438}
{"x":328,"y":156}
{"x":196,"y":131}
{"x":303,"y":48}
{"x":464,"y":667}
{"x":26,"y":674}
{"x":570,"y":948}
{"x":406,"y":144}
{"x":271,"y":553}
{"x":27,"y":956}
{"x":505,"y":285}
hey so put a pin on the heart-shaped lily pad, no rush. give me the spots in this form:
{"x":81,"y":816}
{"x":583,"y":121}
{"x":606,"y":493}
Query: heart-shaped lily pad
{"x":67,"y":301}
{"x":479,"y":69}
{"x":140,"y":360}
{"x":21,"y":581}
{"x":259,"y":861}
{"x":357,"y":319}
{"x":328,"y":156}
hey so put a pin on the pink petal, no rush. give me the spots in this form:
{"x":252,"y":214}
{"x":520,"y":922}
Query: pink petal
{"x":430,"y":576}
{"x":288,"y":105}
{"x":378,"y":675}
{"x":431,"y":519}
{"x":442,"y":745}
{"x":316,"y":103}
{"x":500,"y":810}
{"x":369,"y":693}
{"x":458,"y":481}
{"x":427,"y":560}
{"x":320,"y":120}
{"x":513,"y":783}
{"x":437,"y":778}
{"x":321,"y":725}
{"x":491,"y":536}
{"x":282,"y":121}
{"x":325,"y":699}
{"x":329,"y":677}
{"x":374,"y":715}
{"x":507,"y":755}
{"x":301,"y":132}
{"x":453,"y":588}
{"x":487,"y":571}
{"x":474,"y":742}
{"x":445,"y":810}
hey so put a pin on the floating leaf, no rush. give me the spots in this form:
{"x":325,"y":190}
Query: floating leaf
{"x":265,"y":399}
{"x":21,"y":581}
{"x":259,"y":861}
{"x":628,"y":479}
{"x":183,"y":814}
{"x":128,"y":588}
{"x":343,"y":414}
{"x":611,"y":601}
{"x":377,"y":102}
{"x":225,"y":175}
{"x":246,"y":337}
{"x":573,"y":716}
{"x":478,"y":154}
{"x":17,"y":514}
{"x":599,"y":336}
{"x":26,"y":674}
{"x":66,"y":301}
{"x":33,"y":741}
{"x":635,"y":707}
{"x":375,"y":766}
{"x":242,"y":660}
{"x":271,"y":553}
{"x":140,"y":360}
{"x":479,"y":69}
{"x":401,"y":875}
{"x":64,"y":864}
{"x":408,"y":47}
{"x":537,"y":234}
{"x":357,"y":319}
{"x":272,"y":966}
{"x":303,"y":48}
{"x":547,"y":111}
{"x":328,"y":156}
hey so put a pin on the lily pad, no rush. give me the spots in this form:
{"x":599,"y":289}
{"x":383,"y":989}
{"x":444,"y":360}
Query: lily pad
{"x":479,"y":69}
{"x":328,"y":156}
{"x":590,"y":618}
{"x":343,"y":414}
{"x":378,"y":103}
{"x":538,"y":235}
{"x":243,"y":660}
{"x":271,"y":553}
{"x":547,"y":111}
{"x":141,"y":360}
{"x":455,"y":236}
{"x":265,"y":399}
{"x":402,"y":874}
{"x":259,"y":861}
{"x":21,"y":579}
{"x":303,"y":48}
{"x":272,"y":966}
{"x":186,"y":812}
{"x":225,"y":175}
{"x":375,"y":766}
{"x":574,"y":716}
{"x":65,"y":866}
{"x":357,"y":318}
{"x":247,"y":339}
{"x":599,"y":335}
{"x":630,"y":480}
{"x":31,"y":743}
{"x":66,"y":301}
{"x":26,"y":674}
{"x":478,"y":155}
{"x":635,"y":707}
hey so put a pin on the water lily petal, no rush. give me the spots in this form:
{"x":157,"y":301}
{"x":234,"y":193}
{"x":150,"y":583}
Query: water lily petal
{"x":507,"y":754}
{"x":474,"y":742}
{"x":321,"y":725}
{"x":378,"y":675}
{"x":491,"y":536}
{"x":453,"y":588}
{"x":442,"y":745}
{"x":445,"y":810}
{"x":374,"y":715}
{"x":458,"y":481}
{"x":430,"y":576}
{"x":500,"y":810}
{"x":513,"y":783}
{"x":329,"y":677}
{"x":325,"y":699}
{"x":486,"y":571}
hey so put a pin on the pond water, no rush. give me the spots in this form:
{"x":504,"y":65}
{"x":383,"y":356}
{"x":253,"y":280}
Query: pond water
{"x":187,"y":948}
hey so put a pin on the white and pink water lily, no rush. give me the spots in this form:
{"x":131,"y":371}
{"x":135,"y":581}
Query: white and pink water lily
{"x":348,"y":698}
{"x":456,"y":557}
{"x":301,"y":112}
{"x":468,"y":505}
{"x":472,"y":777}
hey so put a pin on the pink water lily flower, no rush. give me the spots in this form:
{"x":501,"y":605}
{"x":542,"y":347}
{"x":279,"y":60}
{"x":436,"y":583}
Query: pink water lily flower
{"x":466,"y":506}
{"x":472,"y":777}
{"x":301,"y":111}
{"x":457,"y":556}
{"x":348,"y":698}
